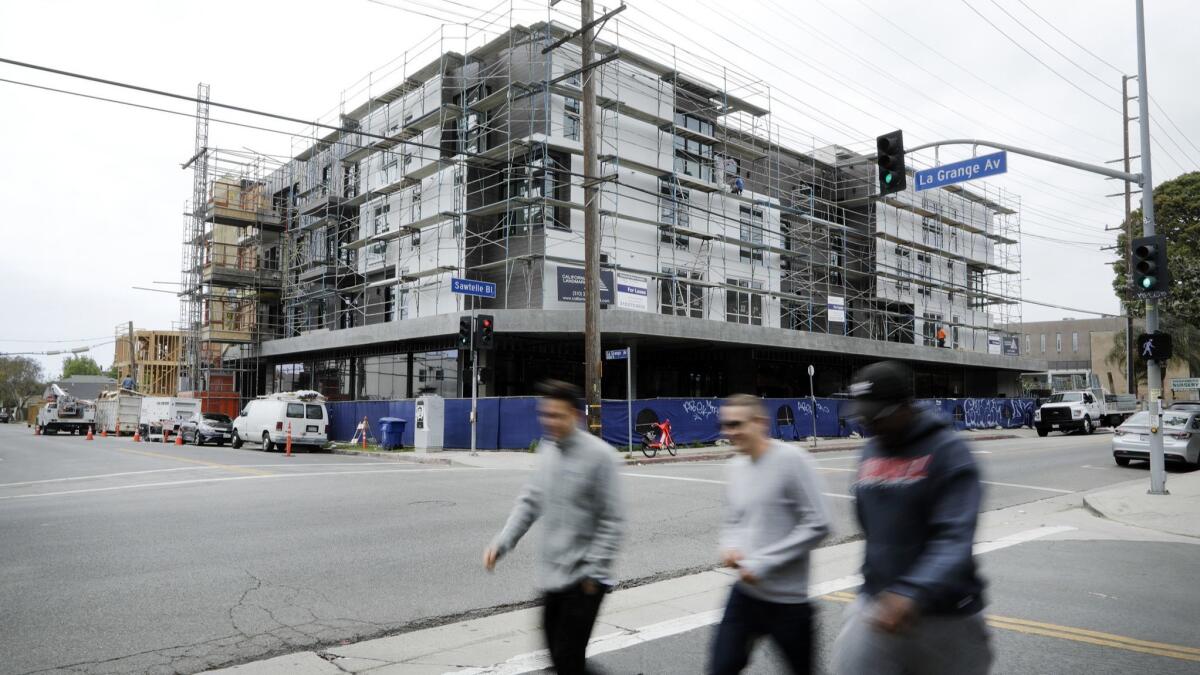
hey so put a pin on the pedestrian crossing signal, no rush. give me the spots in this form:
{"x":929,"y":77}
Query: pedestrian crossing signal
{"x":1154,"y":346}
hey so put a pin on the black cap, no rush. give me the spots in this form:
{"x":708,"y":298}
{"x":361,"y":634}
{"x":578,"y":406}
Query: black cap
{"x":879,"y":386}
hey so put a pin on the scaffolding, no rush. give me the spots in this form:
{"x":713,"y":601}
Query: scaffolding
{"x":231,"y":274}
{"x":462,"y":157}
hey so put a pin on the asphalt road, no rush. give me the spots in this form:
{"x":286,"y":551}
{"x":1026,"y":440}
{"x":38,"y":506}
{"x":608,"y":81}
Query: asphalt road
{"x":1105,"y":617}
{"x":134,"y":558}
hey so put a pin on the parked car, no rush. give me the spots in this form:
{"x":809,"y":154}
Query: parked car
{"x":201,"y":428}
{"x":267,"y":420}
{"x":5,"y":418}
{"x":1187,"y":406}
{"x":1181,"y":438}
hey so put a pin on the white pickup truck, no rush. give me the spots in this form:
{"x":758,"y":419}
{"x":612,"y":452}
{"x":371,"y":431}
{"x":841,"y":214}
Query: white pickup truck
{"x":1083,"y":410}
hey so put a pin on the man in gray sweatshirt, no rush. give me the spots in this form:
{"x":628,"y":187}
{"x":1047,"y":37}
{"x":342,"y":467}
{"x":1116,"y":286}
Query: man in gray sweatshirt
{"x":574,"y":489}
{"x":775,"y":514}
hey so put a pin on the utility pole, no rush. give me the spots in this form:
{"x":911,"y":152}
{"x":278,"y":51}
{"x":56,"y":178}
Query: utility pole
{"x":1158,"y":474}
{"x":132,"y":356}
{"x":1130,"y":355}
{"x":591,"y":226}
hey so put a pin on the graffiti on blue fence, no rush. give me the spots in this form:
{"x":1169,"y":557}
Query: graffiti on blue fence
{"x":805,"y":407}
{"x":700,"y":409}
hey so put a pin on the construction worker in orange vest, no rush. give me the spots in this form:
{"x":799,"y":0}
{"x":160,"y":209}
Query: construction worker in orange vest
{"x":941,"y":336}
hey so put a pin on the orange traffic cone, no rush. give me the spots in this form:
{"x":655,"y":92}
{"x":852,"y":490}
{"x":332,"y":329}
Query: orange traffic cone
{"x":104,"y":433}
{"x":90,"y":437}
{"x":288,"y":446}
{"x":178,"y":439}
{"x":137,"y":436}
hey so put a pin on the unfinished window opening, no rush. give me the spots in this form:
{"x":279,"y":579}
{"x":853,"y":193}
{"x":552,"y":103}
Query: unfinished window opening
{"x":679,"y":297}
{"x":744,"y":306}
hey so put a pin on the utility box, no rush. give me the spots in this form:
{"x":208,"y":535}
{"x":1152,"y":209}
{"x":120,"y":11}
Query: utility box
{"x":429,"y":420}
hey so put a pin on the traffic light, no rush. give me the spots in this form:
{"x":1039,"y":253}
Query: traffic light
{"x":1148,"y":267}
{"x":484,"y":337}
{"x":464,"y":332}
{"x":1154,"y":346}
{"x":890,"y":158}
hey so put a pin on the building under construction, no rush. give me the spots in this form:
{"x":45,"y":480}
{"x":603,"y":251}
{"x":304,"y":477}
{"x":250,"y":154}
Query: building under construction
{"x":734,"y":254}
{"x":157,"y":356}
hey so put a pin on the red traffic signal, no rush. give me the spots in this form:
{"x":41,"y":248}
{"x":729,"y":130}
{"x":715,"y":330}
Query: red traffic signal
{"x":484,"y":336}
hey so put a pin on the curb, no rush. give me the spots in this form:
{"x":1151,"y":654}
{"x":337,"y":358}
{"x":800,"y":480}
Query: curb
{"x":726,"y":454}
{"x":1092,"y":509}
{"x":410,"y":457}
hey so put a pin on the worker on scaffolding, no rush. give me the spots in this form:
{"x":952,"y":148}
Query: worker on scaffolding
{"x":941,"y":336}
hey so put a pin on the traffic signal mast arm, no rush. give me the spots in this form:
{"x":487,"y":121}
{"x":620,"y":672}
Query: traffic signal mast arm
{"x":1083,"y":166}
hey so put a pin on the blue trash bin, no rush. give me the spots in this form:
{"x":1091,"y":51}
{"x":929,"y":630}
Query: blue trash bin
{"x":391,"y":432}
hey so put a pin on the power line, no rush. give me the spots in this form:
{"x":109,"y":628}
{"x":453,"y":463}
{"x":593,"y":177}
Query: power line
{"x":1072,"y":40}
{"x":1110,"y":86}
{"x":1035,"y":57}
{"x":1063,"y":77}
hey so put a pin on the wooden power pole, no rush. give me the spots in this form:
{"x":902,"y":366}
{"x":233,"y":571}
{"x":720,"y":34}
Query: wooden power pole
{"x":591,"y":226}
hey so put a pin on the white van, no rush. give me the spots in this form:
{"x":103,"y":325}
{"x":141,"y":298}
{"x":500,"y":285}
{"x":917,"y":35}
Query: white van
{"x":265,"y":420}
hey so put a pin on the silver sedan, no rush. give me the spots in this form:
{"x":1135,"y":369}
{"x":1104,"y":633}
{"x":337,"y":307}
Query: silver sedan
{"x":1181,"y":437}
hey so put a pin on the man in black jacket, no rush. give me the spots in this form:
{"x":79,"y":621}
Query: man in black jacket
{"x":917,"y":496}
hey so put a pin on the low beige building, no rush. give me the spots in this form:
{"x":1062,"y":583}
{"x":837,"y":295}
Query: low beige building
{"x":1079,"y":344}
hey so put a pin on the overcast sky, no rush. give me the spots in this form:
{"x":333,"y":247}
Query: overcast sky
{"x":92,"y":195}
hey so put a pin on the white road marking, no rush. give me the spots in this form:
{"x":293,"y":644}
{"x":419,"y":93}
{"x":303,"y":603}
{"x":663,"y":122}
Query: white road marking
{"x":195,"y":481}
{"x":1029,"y":487}
{"x":185,"y":468}
{"x":611,"y":642}
{"x":985,"y":482}
{"x":1020,"y":538}
{"x":105,"y":475}
{"x":714,"y":482}
{"x":981,"y":452}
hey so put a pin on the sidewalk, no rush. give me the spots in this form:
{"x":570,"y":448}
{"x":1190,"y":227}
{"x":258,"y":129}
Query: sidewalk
{"x":525,"y":460}
{"x":1129,"y":503}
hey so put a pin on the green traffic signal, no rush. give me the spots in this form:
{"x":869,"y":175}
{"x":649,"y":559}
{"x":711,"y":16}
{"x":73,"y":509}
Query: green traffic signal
{"x":1148,"y":282}
{"x":887,"y":178}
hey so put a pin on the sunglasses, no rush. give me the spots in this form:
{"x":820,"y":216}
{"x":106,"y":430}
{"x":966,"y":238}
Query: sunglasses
{"x":734,"y":424}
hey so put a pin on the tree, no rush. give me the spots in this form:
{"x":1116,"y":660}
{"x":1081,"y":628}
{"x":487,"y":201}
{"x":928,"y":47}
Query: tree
{"x":20,"y":376}
{"x":80,"y":365}
{"x":1185,"y":339}
{"x":1176,"y":215}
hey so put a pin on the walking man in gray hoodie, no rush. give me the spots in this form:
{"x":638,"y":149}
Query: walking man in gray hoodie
{"x":775,"y":515}
{"x":575,"y":488}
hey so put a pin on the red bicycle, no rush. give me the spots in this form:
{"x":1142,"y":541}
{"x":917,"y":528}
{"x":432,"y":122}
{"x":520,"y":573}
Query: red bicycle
{"x":652,"y":442}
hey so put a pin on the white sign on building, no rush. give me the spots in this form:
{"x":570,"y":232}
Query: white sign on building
{"x":633,"y":292}
{"x":837,"y":309}
{"x":993,"y":343}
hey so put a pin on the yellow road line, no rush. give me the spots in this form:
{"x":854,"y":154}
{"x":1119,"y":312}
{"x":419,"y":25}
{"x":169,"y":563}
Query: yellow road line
{"x":216,"y":465}
{"x":1083,"y":635}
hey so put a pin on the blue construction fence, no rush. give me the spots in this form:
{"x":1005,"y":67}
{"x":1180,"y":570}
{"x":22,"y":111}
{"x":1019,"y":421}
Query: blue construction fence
{"x":511,"y":423}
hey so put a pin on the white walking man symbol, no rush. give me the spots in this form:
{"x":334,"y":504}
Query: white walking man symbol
{"x":1148,"y":347}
